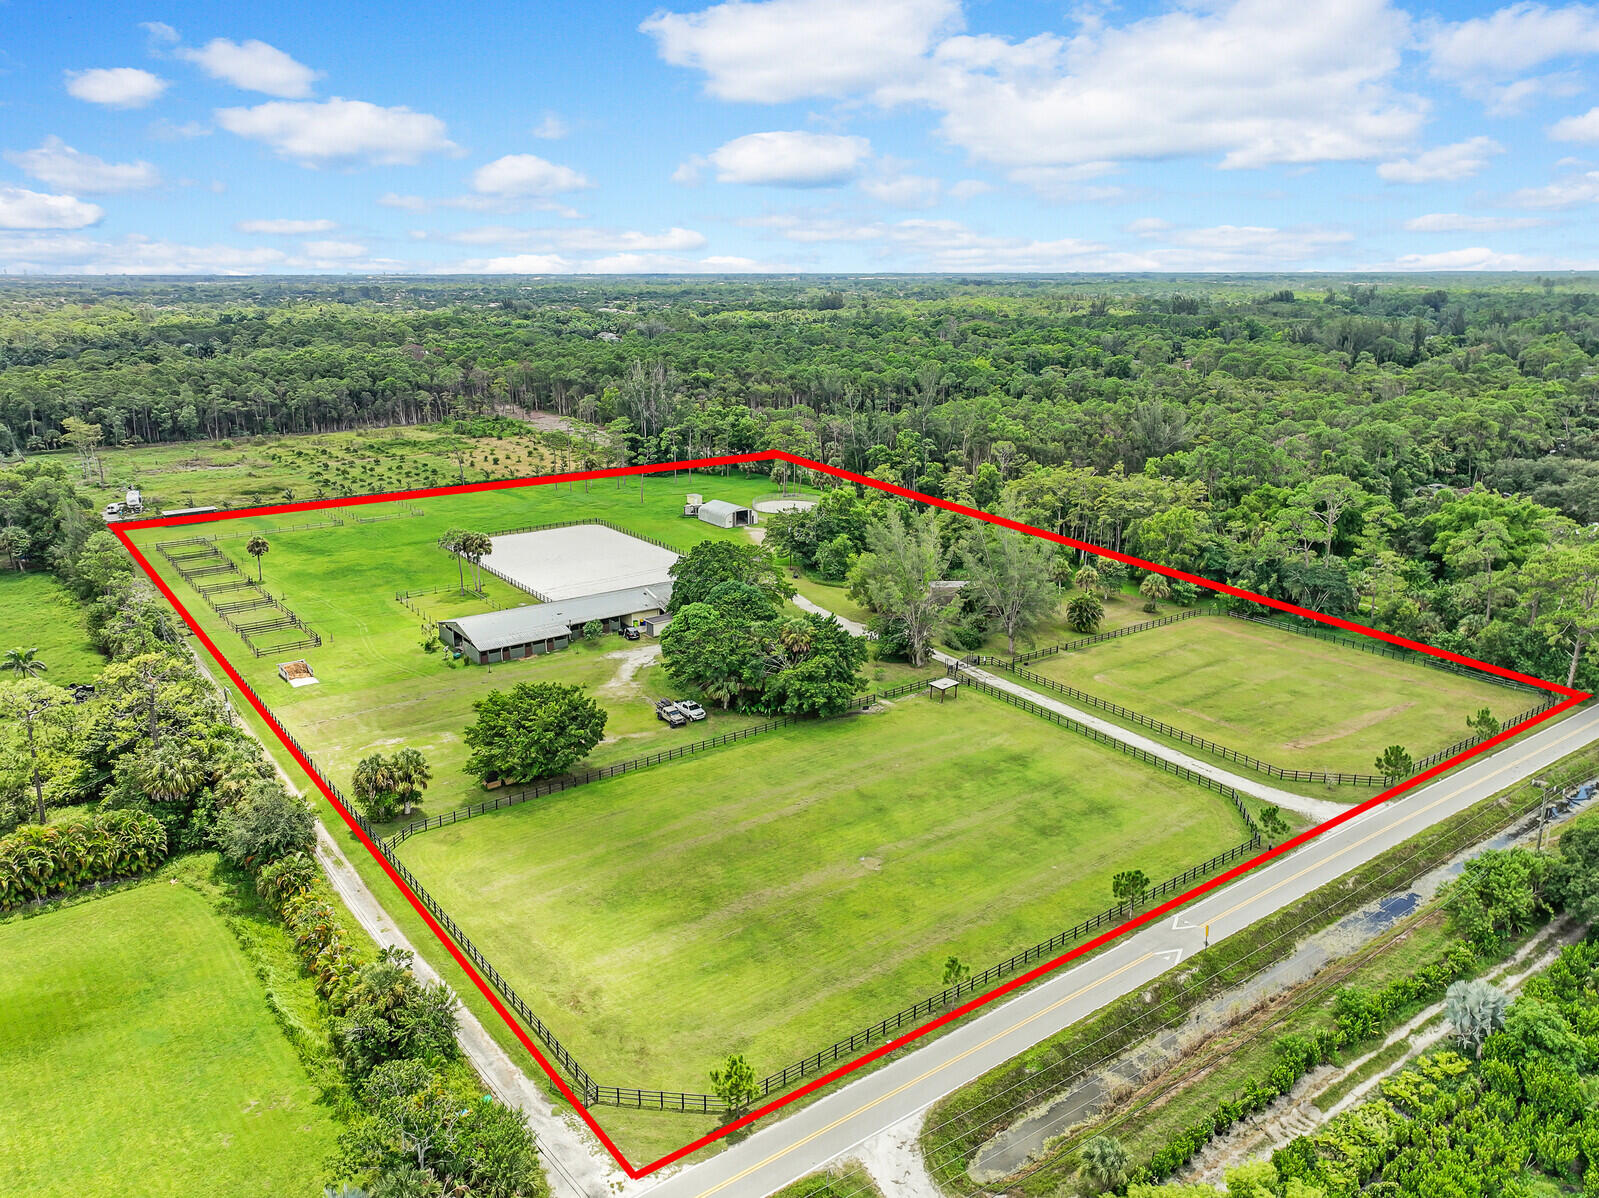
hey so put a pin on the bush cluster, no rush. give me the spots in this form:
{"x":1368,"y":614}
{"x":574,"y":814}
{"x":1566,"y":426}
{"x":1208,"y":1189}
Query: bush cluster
{"x":38,"y":861}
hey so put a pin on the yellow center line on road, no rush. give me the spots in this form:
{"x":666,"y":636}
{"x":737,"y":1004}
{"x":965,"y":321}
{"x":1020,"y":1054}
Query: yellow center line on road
{"x":1355,"y":844}
{"x":882,"y":1098}
{"x":1021,"y":1023}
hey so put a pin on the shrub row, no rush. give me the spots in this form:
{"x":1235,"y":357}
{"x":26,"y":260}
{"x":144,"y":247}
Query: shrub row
{"x":1361,"y":1015}
{"x":41,"y":860}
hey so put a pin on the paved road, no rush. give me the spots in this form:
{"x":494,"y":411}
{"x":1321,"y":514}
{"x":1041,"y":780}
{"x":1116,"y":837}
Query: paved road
{"x":790,"y":1148}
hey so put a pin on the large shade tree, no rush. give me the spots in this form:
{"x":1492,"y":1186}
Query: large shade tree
{"x":534,"y":730}
{"x":895,"y":576}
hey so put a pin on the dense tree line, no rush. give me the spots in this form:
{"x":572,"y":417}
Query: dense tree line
{"x":1418,"y":456}
{"x":107,"y":782}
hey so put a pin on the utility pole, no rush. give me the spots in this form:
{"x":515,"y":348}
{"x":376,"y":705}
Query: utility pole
{"x":1548,"y":810}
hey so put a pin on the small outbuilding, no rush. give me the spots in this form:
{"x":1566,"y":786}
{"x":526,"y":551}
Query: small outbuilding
{"x":723,"y":514}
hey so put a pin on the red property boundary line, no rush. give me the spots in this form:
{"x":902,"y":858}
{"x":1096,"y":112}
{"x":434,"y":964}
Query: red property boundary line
{"x":1572,"y":698}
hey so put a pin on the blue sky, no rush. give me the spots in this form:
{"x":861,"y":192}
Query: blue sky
{"x":797,"y":135}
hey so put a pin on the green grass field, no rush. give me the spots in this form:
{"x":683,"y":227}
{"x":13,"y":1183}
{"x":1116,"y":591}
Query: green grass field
{"x":378,"y":689}
{"x":1290,"y":700}
{"x":777,"y":894}
{"x":138,"y":1057}
{"x":36,"y":611}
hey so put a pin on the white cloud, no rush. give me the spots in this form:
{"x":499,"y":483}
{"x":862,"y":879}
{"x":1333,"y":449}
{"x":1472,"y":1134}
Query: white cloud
{"x":64,"y":253}
{"x":284,"y":225}
{"x":808,"y":228}
{"x":24,"y":209}
{"x":621,"y":264}
{"x":1484,"y":55}
{"x":1444,"y":164}
{"x":931,"y":244}
{"x":782,"y":50}
{"x":1577,"y":128}
{"x":966,"y":189}
{"x":1147,"y":225}
{"x":1564,"y":192}
{"x":790,"y":158}
{"x":1068,"y":184}
{"x":551,"y":127}
{"x":520,"y":175}
{"x":160,"y":32}
{"x":519,"y":264}
{"x":392,"y":199}
{"x":334,"y":249}
{"x":1255,"y":81}
{"x":115,"y":87}
{"x":904,"y":191}
{"x":688,"y":171}
{"x":1237,"y":247}
{"x":1477,"y":258}
{"x":315,"y":133}
{"x":1455,"y":222}
{"x":254,"y":66}
{"x":165,"y":130}
{"x":581,"y":239}
{"x":58,"y":164}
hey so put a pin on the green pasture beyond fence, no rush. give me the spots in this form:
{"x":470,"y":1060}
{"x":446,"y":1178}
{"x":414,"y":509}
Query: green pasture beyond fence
{"x":592,"y":1093}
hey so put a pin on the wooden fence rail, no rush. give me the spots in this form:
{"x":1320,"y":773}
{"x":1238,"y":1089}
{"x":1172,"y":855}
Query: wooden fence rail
{"x":539,"y":790}
{"x":593,"y":1094}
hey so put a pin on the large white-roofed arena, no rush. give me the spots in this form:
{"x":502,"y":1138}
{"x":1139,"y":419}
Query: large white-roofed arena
{"x":578,"y":560}
{"x":578,"y":574}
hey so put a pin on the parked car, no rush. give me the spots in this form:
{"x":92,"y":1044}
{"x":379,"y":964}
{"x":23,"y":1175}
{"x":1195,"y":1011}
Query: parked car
{"x":113,"y":510}
{"x":691,"y":709}
{"x":667,"y":710}
{"x":631,"y":634}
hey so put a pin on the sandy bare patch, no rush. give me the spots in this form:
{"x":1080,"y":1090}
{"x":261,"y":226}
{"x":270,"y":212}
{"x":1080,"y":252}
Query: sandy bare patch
{"x":630,"y":662}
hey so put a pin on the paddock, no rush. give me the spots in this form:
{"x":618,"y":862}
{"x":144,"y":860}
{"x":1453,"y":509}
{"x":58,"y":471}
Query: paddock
{"x":578,"y":560}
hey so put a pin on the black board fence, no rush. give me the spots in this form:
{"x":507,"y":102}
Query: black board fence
{"x":1098,"y":637}
{"x":594,"y":1094}
{"x":549,"y":786}
{"x":1368,"y":644}
{"x":637,"y":536}
{"x":957,"y":669}
{"x":1174,"y":733}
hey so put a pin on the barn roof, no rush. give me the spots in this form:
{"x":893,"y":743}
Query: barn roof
{"x":543,"y":621}
{"x":721,"y":507}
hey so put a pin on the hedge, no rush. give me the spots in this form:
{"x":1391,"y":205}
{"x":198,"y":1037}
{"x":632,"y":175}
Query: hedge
{"x":41,"y":860}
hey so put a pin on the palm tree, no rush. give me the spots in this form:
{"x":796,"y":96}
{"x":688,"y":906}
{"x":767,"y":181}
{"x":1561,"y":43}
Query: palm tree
{"x":450,"y":542}
{"x":411,"y":776}
{"x":257,"y":547}
{"x":168,"y":777}
{"x":1104,"y":1162}
{"x":1084,"y":612}
{"x":24,"y":662}
{"x":475,"y":546}
{"x":1154,"y":588}
{"x":373,"y":785}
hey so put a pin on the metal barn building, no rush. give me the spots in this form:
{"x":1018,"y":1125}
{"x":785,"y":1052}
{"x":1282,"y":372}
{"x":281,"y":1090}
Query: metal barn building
{"x":542,"y":628}
{"x":724,"y":514}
